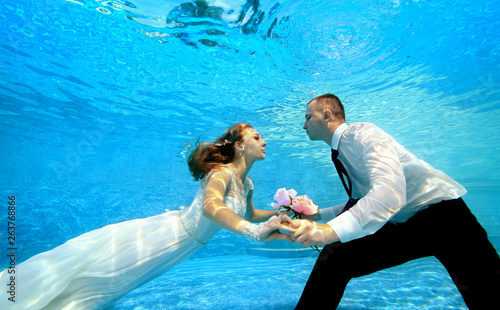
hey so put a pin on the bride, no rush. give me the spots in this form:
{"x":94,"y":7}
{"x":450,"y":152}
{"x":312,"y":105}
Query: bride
{"x":96,"y":269}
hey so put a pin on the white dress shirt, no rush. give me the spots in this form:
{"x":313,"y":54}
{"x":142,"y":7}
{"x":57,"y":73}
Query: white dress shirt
{"x":393,"y":183}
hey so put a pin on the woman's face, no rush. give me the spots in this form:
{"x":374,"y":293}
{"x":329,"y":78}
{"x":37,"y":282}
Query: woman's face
{"x":253,"y":145}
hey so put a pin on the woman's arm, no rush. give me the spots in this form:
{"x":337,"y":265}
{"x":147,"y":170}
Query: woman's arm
{"x":215,"y":210}
{"x":257,"y":215}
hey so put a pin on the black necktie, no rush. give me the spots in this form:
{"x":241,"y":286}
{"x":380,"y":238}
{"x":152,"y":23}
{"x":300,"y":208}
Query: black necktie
{"x":343,"y":176}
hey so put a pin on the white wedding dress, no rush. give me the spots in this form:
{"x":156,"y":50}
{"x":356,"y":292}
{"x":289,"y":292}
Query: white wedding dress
{"x":96,"y":269}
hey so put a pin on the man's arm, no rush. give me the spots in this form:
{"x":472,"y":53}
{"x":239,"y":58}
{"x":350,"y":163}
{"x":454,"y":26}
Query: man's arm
{"x":376,"y":152}
{"x":385,"y":186}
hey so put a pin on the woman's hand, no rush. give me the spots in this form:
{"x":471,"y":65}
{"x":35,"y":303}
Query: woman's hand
{"x":271,"y":230}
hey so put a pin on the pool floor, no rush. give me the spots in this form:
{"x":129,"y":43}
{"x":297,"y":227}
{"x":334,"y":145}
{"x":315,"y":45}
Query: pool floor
{"x":255,"y":282}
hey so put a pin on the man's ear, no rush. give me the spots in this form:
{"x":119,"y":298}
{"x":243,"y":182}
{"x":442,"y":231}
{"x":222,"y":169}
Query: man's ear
{"x":327,"y":115}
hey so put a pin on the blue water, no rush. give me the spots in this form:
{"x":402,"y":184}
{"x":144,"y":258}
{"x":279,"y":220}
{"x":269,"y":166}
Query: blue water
{"x":98,"y":100}
{"x":245,"y":282}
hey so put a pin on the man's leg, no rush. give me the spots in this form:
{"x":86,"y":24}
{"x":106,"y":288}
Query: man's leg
{"x":447,"y":230}
{"x":339,"y":262}
{"x":469,"y":257}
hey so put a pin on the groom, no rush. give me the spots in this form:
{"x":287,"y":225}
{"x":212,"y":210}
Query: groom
{"x":399,"y":209}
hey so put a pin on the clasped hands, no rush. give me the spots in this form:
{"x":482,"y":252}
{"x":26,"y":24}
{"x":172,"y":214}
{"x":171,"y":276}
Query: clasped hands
{"x":303,"y":231}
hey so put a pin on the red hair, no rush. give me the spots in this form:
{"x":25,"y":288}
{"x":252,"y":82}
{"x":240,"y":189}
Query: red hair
{"x":207,"y":156}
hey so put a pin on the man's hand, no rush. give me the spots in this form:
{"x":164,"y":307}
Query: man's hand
{"x":310,"y":233}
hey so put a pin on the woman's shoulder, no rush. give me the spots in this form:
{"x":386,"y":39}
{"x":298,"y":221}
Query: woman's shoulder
{"x":221,"y":172}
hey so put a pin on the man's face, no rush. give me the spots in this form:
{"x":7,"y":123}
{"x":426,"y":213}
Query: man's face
{"x":314,"y":123}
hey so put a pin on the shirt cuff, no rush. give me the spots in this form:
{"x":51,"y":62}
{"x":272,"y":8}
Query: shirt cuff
{"x":347,"y":227}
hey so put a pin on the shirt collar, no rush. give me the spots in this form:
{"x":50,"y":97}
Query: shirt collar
{"x":337,"y":135}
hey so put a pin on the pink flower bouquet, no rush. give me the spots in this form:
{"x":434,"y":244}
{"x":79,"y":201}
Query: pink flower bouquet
{"x":299,"y":205}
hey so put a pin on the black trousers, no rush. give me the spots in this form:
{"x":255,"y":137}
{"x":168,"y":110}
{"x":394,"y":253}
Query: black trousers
{"x":447,"y":230}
